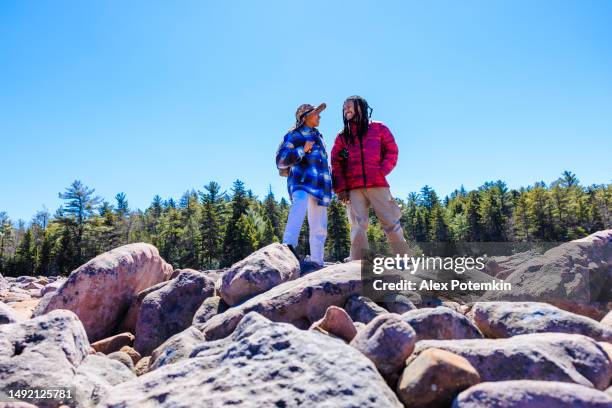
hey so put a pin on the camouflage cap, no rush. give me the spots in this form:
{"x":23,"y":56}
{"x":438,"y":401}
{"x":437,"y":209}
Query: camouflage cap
{"x":304,"y":110}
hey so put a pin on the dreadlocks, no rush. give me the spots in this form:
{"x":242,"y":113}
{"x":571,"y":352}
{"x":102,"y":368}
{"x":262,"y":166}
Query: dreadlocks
{"x":361,"y":119}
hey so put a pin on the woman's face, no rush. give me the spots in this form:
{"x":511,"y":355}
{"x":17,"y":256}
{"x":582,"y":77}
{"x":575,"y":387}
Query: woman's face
{"x":312,"y":119}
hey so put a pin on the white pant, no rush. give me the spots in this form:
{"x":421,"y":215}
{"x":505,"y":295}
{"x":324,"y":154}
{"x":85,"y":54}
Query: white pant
{"x":317,"y":224}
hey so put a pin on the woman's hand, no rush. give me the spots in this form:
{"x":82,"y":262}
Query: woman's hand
{"x":308,"y":146}
{"x":343,"y":196}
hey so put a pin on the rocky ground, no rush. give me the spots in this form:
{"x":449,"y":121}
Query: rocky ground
{"x":127,"y":330}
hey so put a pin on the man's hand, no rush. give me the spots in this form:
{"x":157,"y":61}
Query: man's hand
{"x":308,"y":146}
{"x":343,"y":196}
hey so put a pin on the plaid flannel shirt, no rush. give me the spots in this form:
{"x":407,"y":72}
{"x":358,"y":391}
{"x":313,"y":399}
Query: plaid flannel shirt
{"x":308,"y":171}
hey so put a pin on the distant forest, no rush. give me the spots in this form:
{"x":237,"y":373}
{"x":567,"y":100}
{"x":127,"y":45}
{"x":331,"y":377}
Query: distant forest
{"x":213,"y":228}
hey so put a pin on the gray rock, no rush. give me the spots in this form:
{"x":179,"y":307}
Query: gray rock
{"x":387,"y":341}
{"x":211,"y":307}
{"x":607,"y":320}
{"x":176,"y":348}
{"x":507,"y":319}
{"x":271,"y":364}
{"x":531,"y":394}
{"x":170,"y":310}
{"x":95,"y":377}
{"x":52,"y":287}
{"x":362,"y":309}
{"x":122,"y":358}
{"x":299,"y":302}
{"x":259,"y":272}
{"x":8,"y":315}
{"x":101,"y":290}
{"x":440,"y":323}
{"x":43,"y":352}
{"x":572,"y":358}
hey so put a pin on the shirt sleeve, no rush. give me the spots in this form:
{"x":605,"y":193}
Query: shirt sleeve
{"x":389,"y":150}
{"x":338,"y":177}
{"x":289,"y":153}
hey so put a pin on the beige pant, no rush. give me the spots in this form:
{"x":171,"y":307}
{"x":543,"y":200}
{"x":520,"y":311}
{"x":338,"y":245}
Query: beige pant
{"x":388,"y":212}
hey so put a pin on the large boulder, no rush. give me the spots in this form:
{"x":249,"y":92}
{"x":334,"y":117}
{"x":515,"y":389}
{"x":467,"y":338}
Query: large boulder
{"x":212,"y":306}
{"x":607,"y":320}
{"x":95,"y":376}
{"x":170,"y":310}
{"x":258,"y":272}
{"x":101,"y":290}
{"x":434,"y":378}
{"x":300,"y":302}
{"x":43,"y":352}
{"x":387,"y":341}
{"x":440,"y":323}
{"x":575,"y":276}
{"x":560,"y":357}
{"x":507,"y":319}
{"x":8,"y":314}
{"x":531,"y":394}
{"x":128,"y":324}
{"x":177,"y":347}
{"x":271,"y":365}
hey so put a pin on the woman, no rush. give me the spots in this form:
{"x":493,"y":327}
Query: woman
{"x":302,"y":157}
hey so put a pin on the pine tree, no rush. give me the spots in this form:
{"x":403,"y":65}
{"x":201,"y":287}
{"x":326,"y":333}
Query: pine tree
{"x":211,"y":230}
{"x":272,"y":212}
{"x":77,"y":211}
{"x":25,"y":257}
{"x":231,"y":250}
{"x":338,"y":242}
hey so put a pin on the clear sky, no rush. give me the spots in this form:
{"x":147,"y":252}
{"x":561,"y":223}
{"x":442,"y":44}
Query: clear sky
{"x":159,"y":97}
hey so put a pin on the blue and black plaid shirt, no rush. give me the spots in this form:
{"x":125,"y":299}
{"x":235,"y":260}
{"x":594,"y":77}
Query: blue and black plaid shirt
{"x":308,"y":171}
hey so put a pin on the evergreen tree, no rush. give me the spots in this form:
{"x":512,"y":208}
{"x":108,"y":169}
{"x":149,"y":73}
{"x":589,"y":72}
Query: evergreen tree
{"x":338,"y":239}
{"x":231,"y":250}
{"x":211,"y":225}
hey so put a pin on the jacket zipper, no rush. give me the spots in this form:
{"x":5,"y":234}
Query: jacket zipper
{"x":362,"y":162}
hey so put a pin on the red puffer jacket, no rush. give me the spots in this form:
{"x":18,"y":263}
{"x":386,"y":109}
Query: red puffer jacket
{"x":369,"y":160}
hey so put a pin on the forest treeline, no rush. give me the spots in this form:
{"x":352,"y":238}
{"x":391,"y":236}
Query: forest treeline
{"x":213,"y":228}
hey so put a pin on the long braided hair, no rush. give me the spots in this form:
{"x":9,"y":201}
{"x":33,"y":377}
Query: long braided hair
{"x":363,"y":112}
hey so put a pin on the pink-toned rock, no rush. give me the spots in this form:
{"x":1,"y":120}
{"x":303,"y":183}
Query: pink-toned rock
{"x":434,"y":379}
{"x":300,"y":301}
{"x":131,"y":317}
{"x":336,"y":322}
{"x":560,"y":357}
{"x":142,"y":367}
{"x":507,"y":319}
{"x":531,"y":394}
{"x":113,"y":343}
{"x":134,"y":355}
{"x":440,"y":323}
{"x":387,"y":341}
{"x":101,"y":290}
{"x":259,"y":272}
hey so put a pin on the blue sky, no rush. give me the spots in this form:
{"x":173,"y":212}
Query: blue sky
{"x":161,"y":97}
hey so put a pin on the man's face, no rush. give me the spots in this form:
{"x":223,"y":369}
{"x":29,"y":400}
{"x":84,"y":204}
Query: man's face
{"x":312,"y":119}
{"x":349,"y":110}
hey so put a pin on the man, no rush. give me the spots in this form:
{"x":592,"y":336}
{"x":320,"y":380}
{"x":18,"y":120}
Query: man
{"x":303,"y":154}
{"x":364,"y":153}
